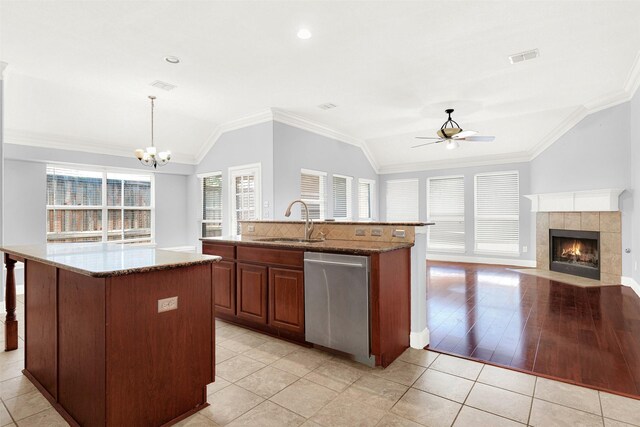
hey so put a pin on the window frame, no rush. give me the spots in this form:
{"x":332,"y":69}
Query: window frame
{"x":446,"y":218}
{"x":372,"y":199}
{"x":323,"y":202}
{"x":233,"y":172}
{"x":203,"y":221}
{"x":348,"y":195}
{"x":104,"y":207}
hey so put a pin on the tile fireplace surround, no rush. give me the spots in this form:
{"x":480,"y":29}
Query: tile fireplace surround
{"x":607,"y":223}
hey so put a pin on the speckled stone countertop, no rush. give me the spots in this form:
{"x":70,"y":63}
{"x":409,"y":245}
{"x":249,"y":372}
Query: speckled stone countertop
{"x":335,"y":246}
{"x":106,"y":260}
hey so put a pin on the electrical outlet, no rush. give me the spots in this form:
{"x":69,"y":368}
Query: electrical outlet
{"x":360,"y":232}
{"x":525,"y":249}
{"x":167,"y":304}
{"x":251,"y":228}
{"x":376,"y":232}
{"x":399,"y":233}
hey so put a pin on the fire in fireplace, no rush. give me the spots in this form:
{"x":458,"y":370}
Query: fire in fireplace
{"x":575,"y":252}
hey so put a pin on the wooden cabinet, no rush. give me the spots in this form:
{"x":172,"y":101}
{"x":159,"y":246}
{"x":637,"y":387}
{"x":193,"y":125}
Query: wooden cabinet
{"x":252,"y":293}
{"x":286,"y":299}
{"x":224,"y":286}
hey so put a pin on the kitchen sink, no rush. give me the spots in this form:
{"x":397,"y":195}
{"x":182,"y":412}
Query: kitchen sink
{"x":288,"y":240}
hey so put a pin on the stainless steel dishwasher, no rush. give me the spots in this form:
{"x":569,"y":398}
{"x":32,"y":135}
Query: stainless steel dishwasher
{"x":336,"y":303}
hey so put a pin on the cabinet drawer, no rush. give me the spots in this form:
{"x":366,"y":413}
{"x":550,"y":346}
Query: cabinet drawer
{"x":290,"y":258}
{"x":225,"y":251}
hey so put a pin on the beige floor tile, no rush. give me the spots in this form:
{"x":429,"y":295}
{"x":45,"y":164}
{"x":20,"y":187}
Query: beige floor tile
{"x":569,"y":395}
{"x":301,"y":362}
{"x":393,"y":420}
{"x":11,"y":370}
{"x":223,"y":354}
{"x":229,"y":403}
{"x":444,"y":385}
{"x":11,"y":356}
{"x":271,"y":351}
{"x":310,"y":423}
{"x":267,"y":381}
{"x":46,"y":418}
{"x":268,"y":414}
{"x":15,"y":387}
{"x":304,"y":397}
{"x":5,"y":418}
{"x":334,"y":375}
{"x":508,"y":379}
{"x":419,"y":357}
{"x":243,"y":342}
{"x":197,"y":420}
{"x":237,"y":368}
{"x":500,"y":402}
{"x":427,"y":409}
{"x":228,"y":332}
{"x":620,"y":408}
{"x":344,"y":411}
{"x":457,"y":366}
{"x":26,"y":404}
{"x":376,"y":391}
{"x":544,"y":414}
{"x":472,"y":417}
{"x":217,"y":385}
{"x":614,"y":423}
{"x":400,"y":372}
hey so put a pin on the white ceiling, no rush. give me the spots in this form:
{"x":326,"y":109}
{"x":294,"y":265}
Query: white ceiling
{"x":79,"y":71}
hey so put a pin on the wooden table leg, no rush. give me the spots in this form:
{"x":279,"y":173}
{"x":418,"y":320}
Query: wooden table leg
{"x":11,"y":323}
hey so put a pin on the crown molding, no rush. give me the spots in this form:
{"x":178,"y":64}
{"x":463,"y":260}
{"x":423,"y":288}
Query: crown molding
{"x":3,"y":68}
{"x":59,"y":142}
{"x":563,"y":127}
{"x":456,"y":163}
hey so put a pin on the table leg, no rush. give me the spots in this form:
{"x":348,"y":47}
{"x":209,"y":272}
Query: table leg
{"x":11,"y":322}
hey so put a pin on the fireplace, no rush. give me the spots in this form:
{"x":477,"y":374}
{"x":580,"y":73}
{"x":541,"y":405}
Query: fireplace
{"x":575,"y":252}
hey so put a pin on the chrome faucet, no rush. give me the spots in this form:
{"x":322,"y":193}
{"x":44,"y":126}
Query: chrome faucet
{"x":308,"y":225}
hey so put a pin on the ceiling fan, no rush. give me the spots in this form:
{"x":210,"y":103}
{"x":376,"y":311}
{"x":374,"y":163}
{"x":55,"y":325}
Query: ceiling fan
{"x":451,"y":132}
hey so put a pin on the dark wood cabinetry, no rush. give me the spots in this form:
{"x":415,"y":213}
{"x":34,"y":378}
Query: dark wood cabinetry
{"x":224,"y":285}
{"x":252,"y":292}
{"x":286,"y":299}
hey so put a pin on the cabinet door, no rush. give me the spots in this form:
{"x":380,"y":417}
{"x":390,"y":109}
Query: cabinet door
{"x":286,"y":299}
{"x":224,"y":287}
{"x":252,"y":292}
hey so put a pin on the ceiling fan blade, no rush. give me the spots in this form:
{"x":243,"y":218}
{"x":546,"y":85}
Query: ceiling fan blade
{"x":464,"y":134}
{"x":427,"y":143}
{"x":479,"y":138}
{"x":427,"y":137}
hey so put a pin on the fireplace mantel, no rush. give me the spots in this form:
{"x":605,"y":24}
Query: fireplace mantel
{"x":605,"y":200}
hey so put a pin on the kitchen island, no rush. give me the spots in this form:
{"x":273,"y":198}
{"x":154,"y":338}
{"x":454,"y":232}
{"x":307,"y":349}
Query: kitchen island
{"x":115,"y":335}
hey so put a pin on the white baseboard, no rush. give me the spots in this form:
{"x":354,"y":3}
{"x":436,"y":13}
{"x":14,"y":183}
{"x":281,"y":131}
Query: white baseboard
{"x":180,"y":249}
{"x":481,"y":260}
{"x":630,"y":282}
{"x":419,"y":340}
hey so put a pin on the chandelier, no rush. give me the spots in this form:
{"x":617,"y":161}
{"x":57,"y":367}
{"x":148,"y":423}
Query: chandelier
{"x":150,"y":156}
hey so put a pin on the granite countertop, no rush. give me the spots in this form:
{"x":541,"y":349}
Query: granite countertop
{"x":405,"y":223}
{"x":355,"y":247}
{"x":106,"y":260}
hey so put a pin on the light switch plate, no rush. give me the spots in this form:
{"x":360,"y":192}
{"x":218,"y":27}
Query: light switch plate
{"x":376,"y":232}
{"x":360,"y":232}
{"x":251,"y":228}
{"x":167,"y":304}
{"x":399,"y":233}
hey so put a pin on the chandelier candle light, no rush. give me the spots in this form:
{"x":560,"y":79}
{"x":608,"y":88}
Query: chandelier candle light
{"x":150,"y":155}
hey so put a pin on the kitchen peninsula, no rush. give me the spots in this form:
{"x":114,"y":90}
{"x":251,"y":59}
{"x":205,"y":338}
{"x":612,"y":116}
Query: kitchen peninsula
{"x":268,"y":281}
{"x":115,"y":335}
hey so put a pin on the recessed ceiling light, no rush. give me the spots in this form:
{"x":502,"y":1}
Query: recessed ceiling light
{"x":172,"y":59}
{"x":304,"y":34}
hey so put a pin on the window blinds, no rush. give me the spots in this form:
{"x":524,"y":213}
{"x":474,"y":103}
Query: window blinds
{"x":402,"y":200}
{"x":342,"y":197}
{"x":244,"y":199}
{"x":313,"y":191}
{"x":212,"y":205}
{"x":445,"y":207}
{"x":497,"y":212}
{"x":365,"y":199}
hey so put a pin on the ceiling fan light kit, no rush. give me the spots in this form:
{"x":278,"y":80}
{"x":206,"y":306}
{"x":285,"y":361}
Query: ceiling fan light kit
{"x":451,"y":132}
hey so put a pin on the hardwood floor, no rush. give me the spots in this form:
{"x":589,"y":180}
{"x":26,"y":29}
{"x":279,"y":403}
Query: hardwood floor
{"x":588,"y":336}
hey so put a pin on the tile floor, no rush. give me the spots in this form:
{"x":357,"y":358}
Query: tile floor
{"x":262,"y":381}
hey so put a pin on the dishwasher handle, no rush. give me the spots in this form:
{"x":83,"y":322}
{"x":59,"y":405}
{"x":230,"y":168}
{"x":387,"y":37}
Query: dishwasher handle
{"x":344,"y":264}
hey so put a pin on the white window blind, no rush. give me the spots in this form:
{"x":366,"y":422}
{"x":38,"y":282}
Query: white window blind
{"x":497,"y":212}
{"x":313,"y":191}
{"x":365,"y":198}
{"x":245,"y":195}
{"x":342,"y":199}
{"x":402,"y":200}
{"x":98,"y":206}
{"x":445,"y":207}
{"x":211,"y":204}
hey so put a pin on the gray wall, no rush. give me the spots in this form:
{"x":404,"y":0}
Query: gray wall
{"x":527,"y":233}
{"x":171,"y":210}
{"x":295,"y":149}
{"x":635,"y":185}
{"x":595,"y":154}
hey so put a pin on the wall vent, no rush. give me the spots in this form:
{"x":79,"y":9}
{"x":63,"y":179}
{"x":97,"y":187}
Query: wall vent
{"x":524,"y":56}
{"x":327,"y":106}
{"x":163,"y":85}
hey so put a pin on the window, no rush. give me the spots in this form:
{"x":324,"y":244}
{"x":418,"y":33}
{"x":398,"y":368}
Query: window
{"x":98,"y":206}
{"x":366,"y":198}
{"x":342,"y":199}
{"x":211,"y":204}
{"x":402,"y":200}
{"x":313,"y":191}
{"x":497,"y":212}
{"x":445,"y":207}
{"x":245,"y":195}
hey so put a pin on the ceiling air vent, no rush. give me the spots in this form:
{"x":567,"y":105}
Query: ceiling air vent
{"x":327,"y":106}
{"x":163,"y":85}
{"x":524,"y":56}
